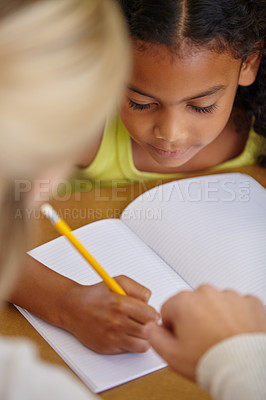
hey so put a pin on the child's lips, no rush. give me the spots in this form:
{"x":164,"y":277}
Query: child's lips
{"x":164,"y":153}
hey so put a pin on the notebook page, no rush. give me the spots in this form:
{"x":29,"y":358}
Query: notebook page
{"x":210,"y":229}
{"x":119,"y":251}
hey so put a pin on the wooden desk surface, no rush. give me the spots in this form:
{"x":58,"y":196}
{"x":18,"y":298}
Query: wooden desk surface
{"x":80,"y":209}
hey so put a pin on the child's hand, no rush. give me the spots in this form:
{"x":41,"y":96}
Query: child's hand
{"x":107,"y":322}
{"x":195,"y":321}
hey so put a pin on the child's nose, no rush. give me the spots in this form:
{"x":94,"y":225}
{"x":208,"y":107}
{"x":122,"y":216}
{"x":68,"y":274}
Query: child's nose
{"x":170,"y":126}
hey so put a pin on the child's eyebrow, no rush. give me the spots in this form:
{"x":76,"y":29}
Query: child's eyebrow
{"x":206,"y":93}
{"x":133,"y":89}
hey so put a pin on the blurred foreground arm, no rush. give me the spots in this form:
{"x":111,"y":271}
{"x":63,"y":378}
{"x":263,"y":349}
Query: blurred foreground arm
{"x":216,"y":338}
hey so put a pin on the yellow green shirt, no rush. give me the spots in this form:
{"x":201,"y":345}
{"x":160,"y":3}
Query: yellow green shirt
{"x":114,"y":164}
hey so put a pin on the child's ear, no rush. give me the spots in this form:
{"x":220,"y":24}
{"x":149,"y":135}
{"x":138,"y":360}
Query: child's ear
{"x":249,"y":69}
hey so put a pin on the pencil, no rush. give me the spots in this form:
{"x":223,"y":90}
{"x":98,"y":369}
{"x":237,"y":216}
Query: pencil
{"x":65,"y":230}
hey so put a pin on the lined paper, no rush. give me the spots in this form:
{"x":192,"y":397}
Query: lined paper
{"x":208,"y":229}
{"x":212,"y":230}
{"x":119,"y":251}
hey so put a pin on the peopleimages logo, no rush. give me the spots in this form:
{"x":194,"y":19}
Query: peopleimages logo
{"x":149,"y":207}
{"x":209,"y":189}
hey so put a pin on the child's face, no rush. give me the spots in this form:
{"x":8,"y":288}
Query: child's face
{"x":174,"y":107}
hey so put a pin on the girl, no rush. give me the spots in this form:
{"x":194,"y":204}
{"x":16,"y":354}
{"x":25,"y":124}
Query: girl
{"x":194,"y":102}
{"x":56,"y":61}
{"x":196,"y":97}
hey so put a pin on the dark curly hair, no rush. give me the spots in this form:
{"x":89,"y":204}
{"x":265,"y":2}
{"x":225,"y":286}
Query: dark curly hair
{"x":237,"y":26}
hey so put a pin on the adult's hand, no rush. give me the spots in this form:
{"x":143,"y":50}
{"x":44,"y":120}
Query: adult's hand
{"x":193,"y":322}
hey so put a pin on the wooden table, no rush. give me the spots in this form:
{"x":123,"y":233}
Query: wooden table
{"x":80,"y":209}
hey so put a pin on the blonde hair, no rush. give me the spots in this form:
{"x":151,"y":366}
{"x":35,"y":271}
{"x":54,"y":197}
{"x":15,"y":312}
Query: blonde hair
{"x":64,"y":64}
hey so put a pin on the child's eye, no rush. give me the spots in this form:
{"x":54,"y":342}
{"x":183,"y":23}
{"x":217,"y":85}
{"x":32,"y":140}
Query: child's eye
{"x":137,"y":106}
{"x":204,"y":110}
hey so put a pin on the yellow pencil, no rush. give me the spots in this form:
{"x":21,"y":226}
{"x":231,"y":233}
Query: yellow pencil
{"x":65,"y":230}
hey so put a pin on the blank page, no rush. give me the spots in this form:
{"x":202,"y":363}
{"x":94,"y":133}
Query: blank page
{"x":119,"y":251}
{"x":209,"y":229}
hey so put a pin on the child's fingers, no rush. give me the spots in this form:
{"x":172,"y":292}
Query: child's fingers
{"x":134,"y":345}
{"x":139,"y":311}
{"x":135,"y":329}
{"x":133,"y":288}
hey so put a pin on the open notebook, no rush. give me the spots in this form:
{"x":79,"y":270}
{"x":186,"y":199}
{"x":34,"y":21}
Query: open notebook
{"x":210,"y":229}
